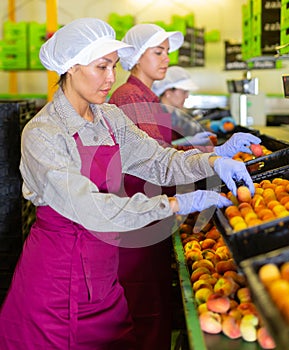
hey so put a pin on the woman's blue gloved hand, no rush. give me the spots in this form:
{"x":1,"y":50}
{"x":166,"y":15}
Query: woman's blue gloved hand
{"x":230,"y":170}
{"x":238,"y":142}
{"x":200,"y":139}
{"x":200,"y":200}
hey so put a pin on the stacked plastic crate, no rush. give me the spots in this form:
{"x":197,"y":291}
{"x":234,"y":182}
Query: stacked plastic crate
{"x":13,"y":116}
{"x":14,"y":46}
{"x":36,"y":37}
{"x":284,"y":36}
{"x":261,"y":28}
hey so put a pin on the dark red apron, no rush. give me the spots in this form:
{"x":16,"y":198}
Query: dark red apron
{"x":145,"y":272}
{"x":65,"y":293}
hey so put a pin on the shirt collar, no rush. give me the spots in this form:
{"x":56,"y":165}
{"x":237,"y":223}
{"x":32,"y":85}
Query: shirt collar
{"x":148,"y":94}
{"x":73,"y":121}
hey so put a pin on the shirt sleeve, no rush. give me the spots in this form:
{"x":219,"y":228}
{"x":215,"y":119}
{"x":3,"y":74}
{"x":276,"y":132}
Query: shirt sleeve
{"x":51,"y":175}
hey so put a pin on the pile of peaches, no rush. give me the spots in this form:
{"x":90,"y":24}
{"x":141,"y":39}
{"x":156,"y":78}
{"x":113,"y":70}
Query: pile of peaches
{"x":270,"y":201}
{"x":221,"y":293}
{"x":275,"y":278}
{"x":257,"y":151}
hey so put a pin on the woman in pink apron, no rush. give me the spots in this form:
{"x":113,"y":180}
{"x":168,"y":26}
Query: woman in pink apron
{"x":145,"y":272}
{"x":65,"y":293}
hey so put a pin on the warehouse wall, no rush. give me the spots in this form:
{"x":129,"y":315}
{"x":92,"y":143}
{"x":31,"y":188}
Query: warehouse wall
{"x":222,"y":15}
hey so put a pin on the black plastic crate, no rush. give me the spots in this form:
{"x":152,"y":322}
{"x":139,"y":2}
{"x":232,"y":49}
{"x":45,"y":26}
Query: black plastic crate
{"x":260,"y":239}
{"x":270,"y":314}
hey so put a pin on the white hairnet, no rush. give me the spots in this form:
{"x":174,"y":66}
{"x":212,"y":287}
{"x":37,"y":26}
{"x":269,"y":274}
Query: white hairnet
{"x":80,"y":42}
{"x":146,"y":35}
{"x":176,"y":77}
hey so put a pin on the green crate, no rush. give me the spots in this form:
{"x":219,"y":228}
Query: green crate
{"x":13,"y":30}
{"x":284,"y":20}
{"x":34,"y":61}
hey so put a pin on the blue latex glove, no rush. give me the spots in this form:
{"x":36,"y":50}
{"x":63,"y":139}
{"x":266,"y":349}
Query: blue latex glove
{"x":238,"y":142}
{"x":200,"y":200}
{"x":200,"y":139}
{"x":230,"y":170}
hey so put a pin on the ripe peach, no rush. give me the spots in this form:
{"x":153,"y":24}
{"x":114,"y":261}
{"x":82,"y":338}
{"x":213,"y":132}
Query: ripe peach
{"x":231,"y":327}
{"x":277,"y":181}
{"x":210,"y":322}
{"x":213,"y":233}
{"x":203,"y":263}
{"x":254,"y":222}
{"x":256,"y":150}
{"x":243,"y":194}
{"x":284,"y":200}
{"x":240,"y":226}
{"x":201,"y":283}
{"x":236,"y":276}
{"x":244,"y":205}
{"x":278,"y":289}
{"x":218,"y":303}
{"x":248,"y":328}
{"x":264,"y":339}
{"x":226,"y":265}
{"x":202,"y":308}
{"x":265,"y":212}
{"x":233,"y":221}
{"x":244,"y":295}
{"x":277,"y":209}
{"x":265,"y":182}
{"x":259,"y":190}
{"x":272,"y":204}
{"x":257,"y":200}
{"x":249,"y":216}
{"x":202,"y":294}
{"x":283,"y":214}
{"x":225,"y":286}
{"x":193,"y":254}
{"x":198,"y":272}
{"x":231,"y":211}
{"x":268,"y":273}
{"x":284,"y":271}
{"x":232,"y":198}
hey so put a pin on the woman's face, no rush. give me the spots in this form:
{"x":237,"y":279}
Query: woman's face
{"x":93,"y":82}
{"x":154,"y":62}
{"x":176,"y":97}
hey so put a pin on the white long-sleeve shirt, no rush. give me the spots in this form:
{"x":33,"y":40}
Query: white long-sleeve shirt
{"x":50,"y":167}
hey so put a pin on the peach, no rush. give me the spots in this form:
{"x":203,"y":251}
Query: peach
{"x":284,"y":200}
{"x":202,"y":308}
{"x":226,"y":265}
{"x":280,"y":188}
{"x":202,"y":294}
{"x":282,"y":213}
{"x":236,"y":276}
{"x":265,"y":212}
{"x":198,"y":272}
{"x":277,"y":209}
{"x":284,"y":271}
{"x":250,"y":216}
{"x":240,"y":226}
{"x":232,"y":198}
{"x":254,"y":222}
{"x":208,"y":254}
{"x":281,"y":195}
{"x":278,"y":289}
{"x":210,"y":322}
{"x":185,"y":228}
{"x":218,"y":303}
{"x":286,"y":205}
{"x":244,"y":295}
{"x":247,"y":308}
{"x":225,"y":286}
{"x":193,"y":254}
{"x":268,"y":273}
{"x":207,"y":243}
{"x":256,"y":150}
{"x":201,"y":283}
{"x":192,"y":244}
{"x":233,"y":221}
{"x":277,"y":181}
{"x":203,"y":263}
{"x":213,"y":233}
{"x":248,"y":329}
{"x":243,"y":194}
{"x":223,"y":252}
{"x":232,"y":211}
{"x":231,"y":327}
{"x":265,"y":182}
{"x":264,"y":339}
{"x":259,"y":190}
{"x":272,"y":204}
{"x":257,"y":200}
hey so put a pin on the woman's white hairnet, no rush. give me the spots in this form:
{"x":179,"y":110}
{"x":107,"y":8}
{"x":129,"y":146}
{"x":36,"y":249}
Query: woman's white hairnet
{"x":80,"y":42}
{"x":176,"y":77}
{"x":146,"y":35}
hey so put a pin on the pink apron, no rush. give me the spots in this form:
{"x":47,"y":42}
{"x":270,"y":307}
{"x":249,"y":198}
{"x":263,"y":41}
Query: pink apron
{"x":145,"y":273}
{"x":69,"y":277}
